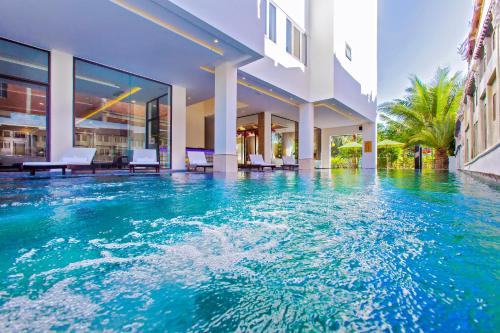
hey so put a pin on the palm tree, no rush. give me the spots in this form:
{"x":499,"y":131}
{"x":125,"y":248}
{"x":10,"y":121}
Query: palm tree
{"x":427,"y":114}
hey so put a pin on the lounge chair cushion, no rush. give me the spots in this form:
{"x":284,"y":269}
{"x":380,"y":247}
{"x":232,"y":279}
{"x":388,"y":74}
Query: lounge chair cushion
{"x":42,"y":164}
{"x":259,"y":160}
{"x":71,"y":156}
{"x":197,"y":158}
{"x":289,"y":160}
{"x":144,"y":163}
{"x":144,"y":156}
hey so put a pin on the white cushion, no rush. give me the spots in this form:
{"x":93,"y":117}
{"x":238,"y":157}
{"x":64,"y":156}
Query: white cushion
{"x":144,"y":155}
{"x":78,"y":155}
{"x":41,"y":164}
{"x":197,"y":158}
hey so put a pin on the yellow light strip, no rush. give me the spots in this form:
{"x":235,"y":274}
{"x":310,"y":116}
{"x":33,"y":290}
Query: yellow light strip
{"x":110,"y":103}
{"x":167,"y":26}
{"x":342,"y":113}
{"x":259,"y":89}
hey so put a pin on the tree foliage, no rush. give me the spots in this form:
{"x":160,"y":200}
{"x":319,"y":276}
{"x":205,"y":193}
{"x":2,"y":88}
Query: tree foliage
{"x":427,"y":114}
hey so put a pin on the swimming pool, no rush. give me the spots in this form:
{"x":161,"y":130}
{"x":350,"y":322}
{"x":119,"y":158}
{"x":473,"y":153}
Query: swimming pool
{"x":260,"y":251}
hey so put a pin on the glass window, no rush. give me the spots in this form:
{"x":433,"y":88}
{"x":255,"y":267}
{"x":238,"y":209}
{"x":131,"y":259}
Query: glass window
{"x":23,"y":103}
{"x":296,"y":42}
{"x":117,"y":112}
{"x":247,"y":140}
{"x":288,"y":36}
{"x":284,"y":137}
{"x":348,"y":51}
{"x":272,"y":23}
{"x":24,"y":62}
{"x":3,"y":90}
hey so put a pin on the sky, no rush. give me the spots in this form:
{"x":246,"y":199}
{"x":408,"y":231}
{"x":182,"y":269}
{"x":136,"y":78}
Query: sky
{"x":416,"y":37}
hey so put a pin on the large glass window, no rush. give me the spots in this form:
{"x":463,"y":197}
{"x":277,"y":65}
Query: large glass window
{"x":247,"y":138}
{"x":117,"y":112}
{"x":24,"y":77}
{"x":284,"y":137}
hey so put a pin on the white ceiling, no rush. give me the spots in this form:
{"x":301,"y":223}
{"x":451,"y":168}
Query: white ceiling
{"x":106,"y":33}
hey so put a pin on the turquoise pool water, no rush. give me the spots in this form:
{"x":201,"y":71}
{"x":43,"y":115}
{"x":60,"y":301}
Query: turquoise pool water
{"x":262,"y":252}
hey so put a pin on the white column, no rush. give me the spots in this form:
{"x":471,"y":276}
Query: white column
{"x":306,"y":136}
{"x":369,"y":159}
{"x":178,"y":128}
{"x":265,"y":136}
{"x":61,"y":103}
{"x":225,"y":159}
{"x":326,"y":149}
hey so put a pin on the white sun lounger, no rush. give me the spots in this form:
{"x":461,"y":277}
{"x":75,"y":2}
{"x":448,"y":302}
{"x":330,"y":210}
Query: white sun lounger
{"x":289,"y":162}
{"x":197,"y":159}
{"x":145,"y":158}
{"x":257,"y":161}
{"x":73,"y":158}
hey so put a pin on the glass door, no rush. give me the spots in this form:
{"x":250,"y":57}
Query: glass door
{"x":158,"y":128}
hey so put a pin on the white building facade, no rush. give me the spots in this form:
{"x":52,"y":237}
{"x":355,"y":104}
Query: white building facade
{"x":232,"y":78}
{"x":478,"y":130}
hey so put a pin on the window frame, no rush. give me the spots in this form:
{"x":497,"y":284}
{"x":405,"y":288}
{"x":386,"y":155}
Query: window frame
{"x":75,"y":59}
{"x":47,"y":86}
{"x":348,"y":51}
{"x":290,"y":44}
{"x":273,"y":37}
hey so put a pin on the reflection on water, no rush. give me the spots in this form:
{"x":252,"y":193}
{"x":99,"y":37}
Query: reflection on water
{"x":283,"y":251}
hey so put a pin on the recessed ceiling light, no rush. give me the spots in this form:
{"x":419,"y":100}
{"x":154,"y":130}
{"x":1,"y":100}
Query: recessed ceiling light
{"x":189,"y":98}
{"x":40,"y":103}
{"x":216,"y":41}
{"x":244,"y":78}
{"x":133,"y":101}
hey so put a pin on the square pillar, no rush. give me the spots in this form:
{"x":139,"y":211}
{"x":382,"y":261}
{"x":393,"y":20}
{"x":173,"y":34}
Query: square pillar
{"x":306,"y":136}
{"x":369,"y":157}
{"x":225,"y":159}
{"x":265,"y":133}
{"x":326,"y":149}
{"x":178,"y":128}
{"x":61,"y":104}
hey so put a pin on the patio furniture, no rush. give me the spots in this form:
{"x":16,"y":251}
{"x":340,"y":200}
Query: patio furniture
{"x":73,"y":158}
{"x":257,"y":161}
{"x":289,"y":162}
{"x":197,"y":159}
{"x":144,"y":158}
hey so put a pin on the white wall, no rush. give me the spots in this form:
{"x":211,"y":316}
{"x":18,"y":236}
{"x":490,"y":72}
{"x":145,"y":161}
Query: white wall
{"x":61,"y":103}
{"x":355,"y":81}
{"x":369,"y":159}
{"x":178,"y":128}
{"x":321,"y":50}
{"x":280,"y":68}
{"x":486,"y":162}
